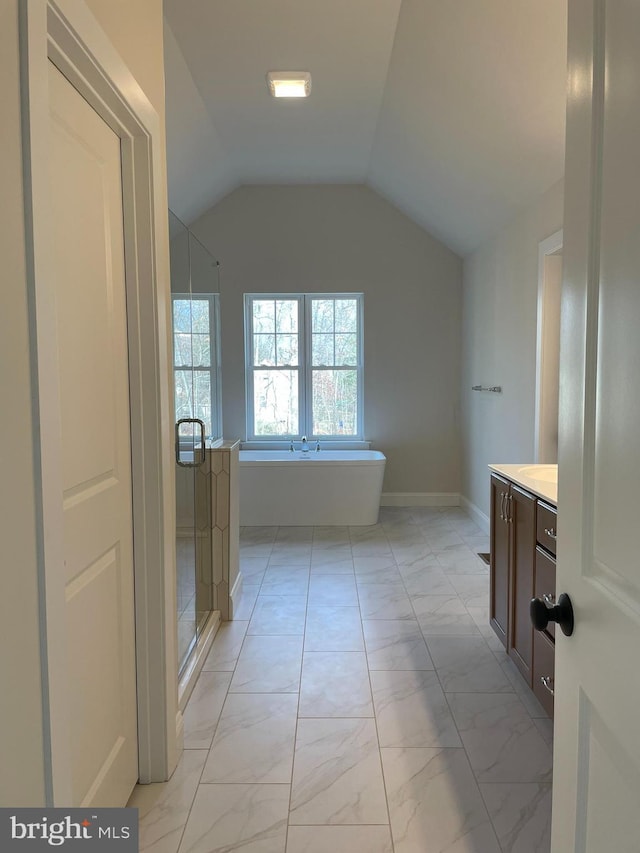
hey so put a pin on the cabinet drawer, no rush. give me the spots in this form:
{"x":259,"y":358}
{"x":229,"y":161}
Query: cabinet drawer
{"x":547,"y":521}
{"x":545,"y":581}
{"x":543,"y":668}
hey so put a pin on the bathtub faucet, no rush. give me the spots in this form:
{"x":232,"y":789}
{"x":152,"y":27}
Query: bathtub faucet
{"x":304,"y":444}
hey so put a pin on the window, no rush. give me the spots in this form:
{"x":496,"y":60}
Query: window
{"x":195,"y":360}
{"x":304,"y":365}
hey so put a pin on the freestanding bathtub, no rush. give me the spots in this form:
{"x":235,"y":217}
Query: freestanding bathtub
{"x":330,"y":487}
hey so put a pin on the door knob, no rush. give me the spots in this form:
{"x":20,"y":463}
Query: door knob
{"x":562,"y":613}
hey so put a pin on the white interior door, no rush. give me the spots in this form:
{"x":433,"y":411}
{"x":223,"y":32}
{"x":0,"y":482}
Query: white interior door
{"x":596,"y":797}
{"x":91,"y":332}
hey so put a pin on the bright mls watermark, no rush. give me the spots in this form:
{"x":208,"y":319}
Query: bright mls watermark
{"x":102,"y":830}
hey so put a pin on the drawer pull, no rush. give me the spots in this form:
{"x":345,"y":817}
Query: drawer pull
{"x":551,"y":532}
{"x":549,"y":599}
{"x":502,"y":497}
{"x":547,"y":682}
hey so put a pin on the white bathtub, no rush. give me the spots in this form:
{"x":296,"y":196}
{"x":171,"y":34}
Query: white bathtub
{"x":330,"y":487}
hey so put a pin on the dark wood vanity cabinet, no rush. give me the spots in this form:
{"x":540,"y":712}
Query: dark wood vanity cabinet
{"x":522,"y":543}
{"x":499,"y":550}
{"x":545,"y":589}
{"x":513,"y":539}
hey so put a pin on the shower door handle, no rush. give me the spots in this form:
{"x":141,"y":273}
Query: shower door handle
{"x":198,"y":458}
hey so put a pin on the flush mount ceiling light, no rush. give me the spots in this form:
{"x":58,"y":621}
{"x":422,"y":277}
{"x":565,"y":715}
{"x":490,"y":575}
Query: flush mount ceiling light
{"x":289,"y":84}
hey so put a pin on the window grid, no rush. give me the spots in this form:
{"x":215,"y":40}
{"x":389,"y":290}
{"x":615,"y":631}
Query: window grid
{"x":196,"y":361}
{"x":342,"y":368}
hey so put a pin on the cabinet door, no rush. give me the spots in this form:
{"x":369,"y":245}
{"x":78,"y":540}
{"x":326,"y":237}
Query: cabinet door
{"x":545,"y":581}
{"x":522,"y":524}
{"x":499,"y":597}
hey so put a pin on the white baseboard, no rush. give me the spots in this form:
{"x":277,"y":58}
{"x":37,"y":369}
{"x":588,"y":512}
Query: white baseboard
{"x":476,"y":514}
{"x":235,"y":594}
{"x":420,"y":499}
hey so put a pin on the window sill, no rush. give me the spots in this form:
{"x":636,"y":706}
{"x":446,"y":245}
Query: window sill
{"x":284,"y":444}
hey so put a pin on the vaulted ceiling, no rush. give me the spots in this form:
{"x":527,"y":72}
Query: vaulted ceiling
{"x":452,"y":109}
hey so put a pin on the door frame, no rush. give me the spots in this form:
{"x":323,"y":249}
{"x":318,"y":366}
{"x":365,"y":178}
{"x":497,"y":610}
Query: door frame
{"x":66,"y":32}
{"x":550,"y":246}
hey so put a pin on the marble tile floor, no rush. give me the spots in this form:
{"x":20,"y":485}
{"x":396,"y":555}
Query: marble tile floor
{"x":360,"y":703}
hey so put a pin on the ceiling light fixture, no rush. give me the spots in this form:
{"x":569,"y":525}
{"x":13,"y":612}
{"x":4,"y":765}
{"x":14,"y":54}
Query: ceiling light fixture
{"x":289,"y":84}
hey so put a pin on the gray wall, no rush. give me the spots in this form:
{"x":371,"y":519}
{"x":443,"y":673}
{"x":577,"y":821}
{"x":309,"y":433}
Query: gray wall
{"x":499,"y":323}
{"x":347,"y":238}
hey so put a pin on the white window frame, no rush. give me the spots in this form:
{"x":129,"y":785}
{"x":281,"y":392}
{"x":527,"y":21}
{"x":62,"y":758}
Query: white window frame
{"x":304,"y":368}
{"x":214,"y":368}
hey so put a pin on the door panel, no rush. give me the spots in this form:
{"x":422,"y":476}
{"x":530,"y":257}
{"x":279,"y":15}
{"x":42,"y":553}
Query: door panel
{"x":522,"y":514}
{"x":597,"y":685}
{"x":91,"y":327}
{"x":499,"y":604}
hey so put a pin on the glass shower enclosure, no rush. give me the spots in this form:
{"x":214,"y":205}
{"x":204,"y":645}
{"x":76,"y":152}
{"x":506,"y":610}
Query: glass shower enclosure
{"x":196,"y":374}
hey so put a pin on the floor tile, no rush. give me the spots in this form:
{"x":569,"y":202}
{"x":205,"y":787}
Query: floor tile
{"x":253,"y":570}
{"x":439,"y":540}
{"x":442,"y":614}
{"x":204,"y":707}
{"x":339,"y":839}
{"x":435,"y":804}
{"x":371,"y":548}
{"x":404,"y":553}
{"x":337,"y":777}
{"x":384,"y":601}
{"x":465,"y":664}
{"x":333,"y":629}
{"x":253,"y":551}
{"x":521,"y":815}
{"x":500,"y":738}
{"x":376,"y":570}
{"x":473,"y":590}
{"x":278,"y":614}
{"x":243,"y":609}
{"x":395,"y":644}
{"x":411,"y":710}
{"x":298,"y":535}
{"x":309,"y":710}
{"x":164,"y":807}
{"x":332,"y":561}
{"x":251,"y":818}
{"x":226,"y":646}
{"x":335,"y":684}
{"x":527,"y":697}
{"x":285,"y":580}
{"x":330,"y":536}
{"x":254,"y":740}
{"x":268,"y":664}
{"x":478,"y":543}
{"x":429,"y":581}
{"x":461,"y":560}
{"x":283,"y":555}
{"x":336,"y":589}
{"x":258,"y":535}
{"x":480,"y":616}
{"x":545,"y":727}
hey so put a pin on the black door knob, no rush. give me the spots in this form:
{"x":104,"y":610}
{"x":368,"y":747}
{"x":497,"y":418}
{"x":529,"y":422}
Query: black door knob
{"x":562,"y":613}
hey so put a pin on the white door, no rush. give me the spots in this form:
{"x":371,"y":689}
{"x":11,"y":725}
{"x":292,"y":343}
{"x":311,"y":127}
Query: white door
{"x":91,"y":332}
{"x":596,"y":792}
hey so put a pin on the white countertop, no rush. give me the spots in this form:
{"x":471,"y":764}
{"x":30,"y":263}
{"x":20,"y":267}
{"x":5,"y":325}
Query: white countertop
{"x":542,"y":480}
